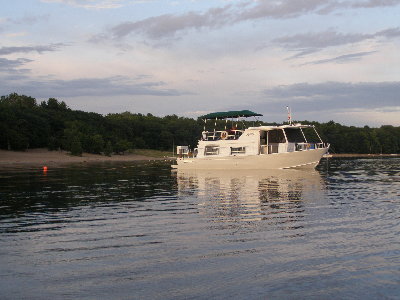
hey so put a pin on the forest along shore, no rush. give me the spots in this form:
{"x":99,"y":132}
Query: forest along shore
{"x":44,"y":157}
{"x":51,"y":124}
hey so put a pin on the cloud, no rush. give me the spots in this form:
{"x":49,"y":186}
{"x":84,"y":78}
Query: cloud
{"x":335,"y":96}
{"x":388,"y":33}
{"x":291,"y":9}
{"x":31,"y":19}
{"x":169,"y":25}
{"x":26,"y":49}
{"x":281,"y":9}
{"x":110,"y":86}
{"x":89,"y":4}
{"x":11,"y":66}
{"x":374,"y":3}
{"x":307,"y":43}
{"x":342,"y":58}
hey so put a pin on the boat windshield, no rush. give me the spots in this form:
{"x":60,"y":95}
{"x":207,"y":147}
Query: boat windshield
{"x":294,"y":135}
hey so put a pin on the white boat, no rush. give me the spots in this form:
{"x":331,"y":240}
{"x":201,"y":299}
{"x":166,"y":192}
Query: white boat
{"x":253,"y":148}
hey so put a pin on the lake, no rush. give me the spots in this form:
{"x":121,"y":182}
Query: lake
{"x":142,"y":231}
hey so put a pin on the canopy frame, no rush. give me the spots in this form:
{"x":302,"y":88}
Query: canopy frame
{"x":230,"y":114}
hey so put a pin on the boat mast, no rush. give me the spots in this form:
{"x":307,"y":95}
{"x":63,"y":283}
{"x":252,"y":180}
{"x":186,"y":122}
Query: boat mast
{"x":289,"y":115}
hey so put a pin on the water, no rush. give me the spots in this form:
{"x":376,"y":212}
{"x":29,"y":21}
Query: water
{"x":140,"y":231}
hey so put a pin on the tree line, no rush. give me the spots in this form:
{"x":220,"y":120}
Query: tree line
{"x":26,"y":124}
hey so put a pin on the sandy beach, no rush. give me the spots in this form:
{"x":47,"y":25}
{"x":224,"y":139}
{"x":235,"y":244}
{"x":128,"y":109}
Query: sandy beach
{"x":43,"y":157}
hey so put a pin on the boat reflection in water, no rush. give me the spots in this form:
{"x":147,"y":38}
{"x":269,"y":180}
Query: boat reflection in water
{"x":277,"y":196}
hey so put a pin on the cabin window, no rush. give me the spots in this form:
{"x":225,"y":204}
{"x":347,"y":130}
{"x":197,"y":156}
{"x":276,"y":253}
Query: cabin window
{"x":211,"y":150}
{"x":276,"y":136}
{"x":238,"y":150}
{"x":263,"y":137}
{"x":311,"y":135}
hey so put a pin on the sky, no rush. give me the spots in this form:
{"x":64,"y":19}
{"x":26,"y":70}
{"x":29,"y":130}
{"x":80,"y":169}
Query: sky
{"x":326,"y":59}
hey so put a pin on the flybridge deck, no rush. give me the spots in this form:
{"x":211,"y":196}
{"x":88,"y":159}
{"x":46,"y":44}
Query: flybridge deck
{"x":256,"y":147}
{"x":227,"y":134}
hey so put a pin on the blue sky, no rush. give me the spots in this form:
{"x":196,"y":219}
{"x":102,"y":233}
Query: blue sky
{"x":326,"y":59}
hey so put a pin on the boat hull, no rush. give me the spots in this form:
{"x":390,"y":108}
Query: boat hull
{"x":298,"y":159}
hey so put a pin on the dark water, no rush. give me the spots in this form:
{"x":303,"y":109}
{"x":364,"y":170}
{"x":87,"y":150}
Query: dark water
{"x":140,"y":231}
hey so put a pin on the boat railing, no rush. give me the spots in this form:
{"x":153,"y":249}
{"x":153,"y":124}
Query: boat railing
{"x":185,"y":152}
{"x":277,"y":147}
{"x":309,"y":146}
{"x":221,"y":135}
{"x":269,"y":149}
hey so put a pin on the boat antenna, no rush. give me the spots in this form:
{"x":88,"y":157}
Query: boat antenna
{"x":289,"y":115}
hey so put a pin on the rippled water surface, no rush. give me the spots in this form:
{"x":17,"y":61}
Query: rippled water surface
{"x":142,"y":231}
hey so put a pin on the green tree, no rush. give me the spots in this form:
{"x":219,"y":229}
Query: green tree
{"x":76,"y":147}
{"x":108,"y":149}
{"x":72,"y":132}
{"x":121,"y":146}
{"x":98,"y":144}
{"x":92,"y":143}
{"x":53,"y":143}
{"x":139,"y":143}
{"x":17,"y":140}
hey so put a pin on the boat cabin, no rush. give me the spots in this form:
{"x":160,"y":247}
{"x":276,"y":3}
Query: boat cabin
{"x":258,"y":140}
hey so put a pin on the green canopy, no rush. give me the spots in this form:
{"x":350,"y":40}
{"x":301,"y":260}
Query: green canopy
{"x":230,"y":114}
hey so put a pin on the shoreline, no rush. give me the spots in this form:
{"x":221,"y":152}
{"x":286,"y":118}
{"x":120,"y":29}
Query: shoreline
{"x":361,"y":155}
{"x":44,"y":157}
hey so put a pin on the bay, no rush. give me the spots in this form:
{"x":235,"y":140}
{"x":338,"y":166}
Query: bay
{"x":144,"y":231}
